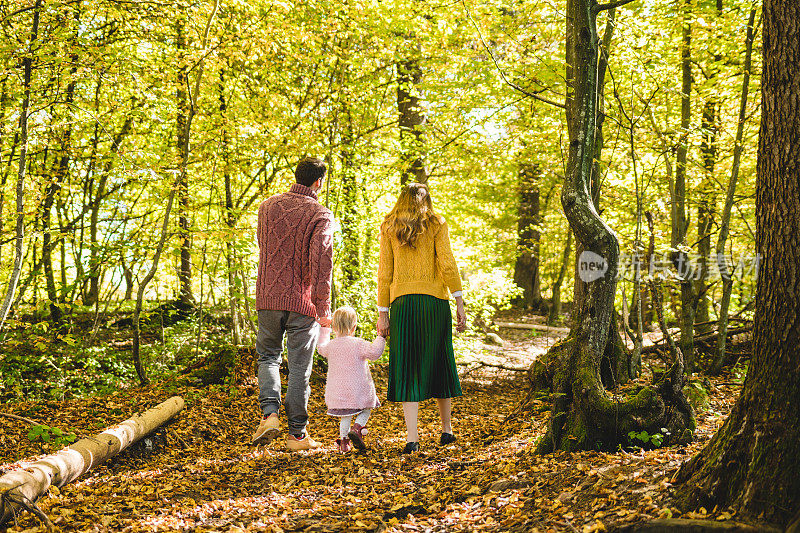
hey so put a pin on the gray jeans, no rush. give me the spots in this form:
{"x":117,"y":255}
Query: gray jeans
{"x":301,"y":340}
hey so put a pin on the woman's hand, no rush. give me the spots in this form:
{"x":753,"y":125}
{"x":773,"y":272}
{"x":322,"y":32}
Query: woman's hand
{"x":383,"y":324}
{"x":461,"y":315}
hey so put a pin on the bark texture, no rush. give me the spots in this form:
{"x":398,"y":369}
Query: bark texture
{"x":753,"y":462}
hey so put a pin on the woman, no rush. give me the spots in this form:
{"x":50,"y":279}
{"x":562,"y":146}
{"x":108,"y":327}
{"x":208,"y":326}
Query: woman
{"x":415,"y":271}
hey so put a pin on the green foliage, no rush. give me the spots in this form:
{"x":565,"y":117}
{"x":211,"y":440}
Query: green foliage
{"x":487,"y":293}
{"x":643,"y":438}
{"x":280,"y":81}
{"x":54,"y":436}
{"x":739,"y":371}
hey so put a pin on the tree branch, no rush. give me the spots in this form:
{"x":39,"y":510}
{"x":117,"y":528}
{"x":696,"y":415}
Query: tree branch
{"x":503,"y":74}
{"x":17,"y":417}
{"x":611,"y":5}
{"x":481,"y":364}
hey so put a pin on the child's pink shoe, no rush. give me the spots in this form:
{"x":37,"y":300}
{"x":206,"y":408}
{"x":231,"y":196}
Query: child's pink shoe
{"x":344,"y":445}
{"x":357,"y":434}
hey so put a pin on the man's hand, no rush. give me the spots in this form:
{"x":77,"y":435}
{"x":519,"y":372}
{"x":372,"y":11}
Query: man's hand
{"x":461,"y":315}
{"x":324,"y":321}
{"x":383,"y":324}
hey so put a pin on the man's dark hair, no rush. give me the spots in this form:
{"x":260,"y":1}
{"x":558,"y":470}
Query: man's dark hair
{"x":309,"y":170}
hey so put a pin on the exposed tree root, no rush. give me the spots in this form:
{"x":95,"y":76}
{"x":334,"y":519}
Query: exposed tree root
{"x":585,"y":417}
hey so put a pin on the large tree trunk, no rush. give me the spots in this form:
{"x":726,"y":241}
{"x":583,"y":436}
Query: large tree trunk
{"x":753,"y":462}
{"x":526,"y":268}
{"x":583,"y":415}
{"x":21,"y":488}
{"x":614,"y":358}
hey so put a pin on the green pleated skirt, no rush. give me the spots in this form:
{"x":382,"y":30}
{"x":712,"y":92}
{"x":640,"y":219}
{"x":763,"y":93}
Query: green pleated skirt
{"x":421,"y":360}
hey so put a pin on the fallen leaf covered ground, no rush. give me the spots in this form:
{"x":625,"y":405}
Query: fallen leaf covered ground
{"x":201,"y":474}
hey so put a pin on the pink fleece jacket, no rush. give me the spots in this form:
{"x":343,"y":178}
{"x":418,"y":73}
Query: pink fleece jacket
{"x":349,"y":384}
{"x":295,"y":261}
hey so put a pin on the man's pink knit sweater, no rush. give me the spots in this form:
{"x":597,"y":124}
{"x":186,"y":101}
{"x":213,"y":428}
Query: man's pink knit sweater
{"x":295,"y":241}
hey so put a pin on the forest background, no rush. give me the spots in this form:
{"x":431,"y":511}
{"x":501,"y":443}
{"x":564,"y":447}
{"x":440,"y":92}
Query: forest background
{"x":114,"y":114}
{"x":138,"y":137}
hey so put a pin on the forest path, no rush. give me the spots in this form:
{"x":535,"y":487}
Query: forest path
{"x":201,"y":474}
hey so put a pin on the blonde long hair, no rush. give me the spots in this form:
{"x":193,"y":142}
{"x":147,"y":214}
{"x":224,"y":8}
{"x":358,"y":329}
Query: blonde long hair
{"x":411,"y":215}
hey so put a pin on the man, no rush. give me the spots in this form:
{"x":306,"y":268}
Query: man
{"x":295,"y":240}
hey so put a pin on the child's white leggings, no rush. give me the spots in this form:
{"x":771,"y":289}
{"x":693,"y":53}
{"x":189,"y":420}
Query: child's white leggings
{"x":361,"y":419}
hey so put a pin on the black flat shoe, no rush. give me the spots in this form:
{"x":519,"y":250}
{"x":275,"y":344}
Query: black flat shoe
{"x":447,"y":438}
{"x":411,"y":447}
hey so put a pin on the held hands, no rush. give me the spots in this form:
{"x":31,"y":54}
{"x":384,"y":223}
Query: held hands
{"x":324,"y":321}
{"x":461,"y":315}
{"x":383,"y":324}
{"x":461,"y":319}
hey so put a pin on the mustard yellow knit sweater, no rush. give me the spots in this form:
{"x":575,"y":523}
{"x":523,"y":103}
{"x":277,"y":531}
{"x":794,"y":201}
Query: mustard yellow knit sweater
{"x":427,"y":268}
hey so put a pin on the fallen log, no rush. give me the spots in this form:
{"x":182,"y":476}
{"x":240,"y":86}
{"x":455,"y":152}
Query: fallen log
{"x":22,"y":487}
{"x":538,"y":327}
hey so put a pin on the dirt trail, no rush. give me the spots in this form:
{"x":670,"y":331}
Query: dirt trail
{"x":201,"y":474}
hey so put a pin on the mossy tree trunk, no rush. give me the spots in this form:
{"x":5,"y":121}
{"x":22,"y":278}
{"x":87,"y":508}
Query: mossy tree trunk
{"x":583,"y":414}
{"x":753,"y":462}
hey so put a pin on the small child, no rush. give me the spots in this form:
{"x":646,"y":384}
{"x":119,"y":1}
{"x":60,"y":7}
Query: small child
{"x":349,"y":389}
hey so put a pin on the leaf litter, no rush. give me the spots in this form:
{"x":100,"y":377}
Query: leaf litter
{"x":201,"y":473}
